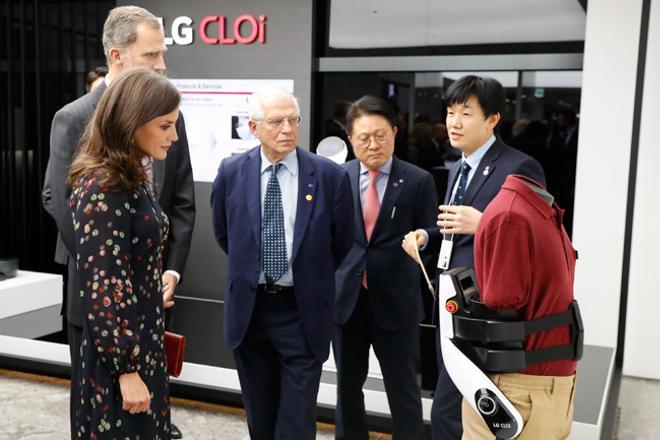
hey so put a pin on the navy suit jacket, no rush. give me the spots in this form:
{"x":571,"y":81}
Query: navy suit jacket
{"x":410,"y":202}
{"x":498,"y":162}
{"x":323,"y":233}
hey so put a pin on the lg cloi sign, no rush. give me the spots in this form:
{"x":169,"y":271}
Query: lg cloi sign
{"x":216,"y":29}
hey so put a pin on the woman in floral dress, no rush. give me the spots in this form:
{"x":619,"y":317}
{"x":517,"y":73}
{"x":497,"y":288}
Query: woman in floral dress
{"x":120,"y":232}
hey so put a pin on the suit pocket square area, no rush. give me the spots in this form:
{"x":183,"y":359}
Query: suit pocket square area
{"x":175,"y":346}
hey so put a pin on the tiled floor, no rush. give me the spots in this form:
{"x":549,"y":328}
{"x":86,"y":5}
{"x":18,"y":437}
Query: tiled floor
{"x":639,"y":410}
{"x":36,"y":408}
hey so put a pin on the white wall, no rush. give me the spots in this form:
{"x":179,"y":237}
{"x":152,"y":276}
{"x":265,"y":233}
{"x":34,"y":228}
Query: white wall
{"x":641,"y":355}
{"x":610,"y":61}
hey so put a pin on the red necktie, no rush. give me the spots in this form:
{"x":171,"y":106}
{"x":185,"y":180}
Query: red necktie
{"x":370,"y":210}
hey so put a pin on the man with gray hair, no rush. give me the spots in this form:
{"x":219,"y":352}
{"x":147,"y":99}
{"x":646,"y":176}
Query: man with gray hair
{"x":132,"y":37}
{"x":284,"y":217}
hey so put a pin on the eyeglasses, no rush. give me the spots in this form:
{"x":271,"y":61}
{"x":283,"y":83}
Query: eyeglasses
{"x":363,"y":141}
{"x":278,"y":123}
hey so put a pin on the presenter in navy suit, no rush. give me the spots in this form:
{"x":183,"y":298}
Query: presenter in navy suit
{"x":284,"y":217}
{"x":474,"y":108}
{"x":379,"y":300}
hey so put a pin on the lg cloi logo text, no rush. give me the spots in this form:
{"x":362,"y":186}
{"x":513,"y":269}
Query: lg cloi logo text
{"x":216,"y":29}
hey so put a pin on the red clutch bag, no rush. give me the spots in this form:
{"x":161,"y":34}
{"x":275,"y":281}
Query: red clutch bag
{"x":175,"y":346}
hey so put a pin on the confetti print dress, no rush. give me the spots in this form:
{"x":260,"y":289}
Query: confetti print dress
{"x":119,"y":242}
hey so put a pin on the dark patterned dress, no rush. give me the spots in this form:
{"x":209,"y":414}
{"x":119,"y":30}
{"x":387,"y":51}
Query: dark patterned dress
{"x":119,"y":242}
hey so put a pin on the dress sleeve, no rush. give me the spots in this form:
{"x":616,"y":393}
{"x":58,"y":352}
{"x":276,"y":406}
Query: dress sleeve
{"x":102,"y":225}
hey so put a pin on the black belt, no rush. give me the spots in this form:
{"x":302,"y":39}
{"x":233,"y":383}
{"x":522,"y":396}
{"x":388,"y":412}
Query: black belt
{"x":274,"y":289}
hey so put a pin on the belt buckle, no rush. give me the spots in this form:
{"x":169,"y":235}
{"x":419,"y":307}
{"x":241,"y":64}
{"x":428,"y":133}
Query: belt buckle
{"x":271,"y":288}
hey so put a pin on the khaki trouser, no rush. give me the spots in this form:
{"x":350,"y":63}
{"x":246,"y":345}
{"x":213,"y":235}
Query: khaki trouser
{"x":545,"y":404}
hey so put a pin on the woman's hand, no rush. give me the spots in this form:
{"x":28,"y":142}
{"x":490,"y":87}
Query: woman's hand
{"x":134,"y":393}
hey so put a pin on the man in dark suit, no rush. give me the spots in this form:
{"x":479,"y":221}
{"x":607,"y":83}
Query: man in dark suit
{"x":474,"y":108}
{"x":378,"y":301}
{"x":284,"y":217}
{"x":132,"y":37}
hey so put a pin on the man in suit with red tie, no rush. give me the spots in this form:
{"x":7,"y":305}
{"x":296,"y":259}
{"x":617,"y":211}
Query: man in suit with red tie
{"x":378,"y":301}
{"x":283,"y":216}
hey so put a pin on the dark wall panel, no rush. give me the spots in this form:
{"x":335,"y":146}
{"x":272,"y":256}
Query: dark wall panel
{"x":45,"y":49}
{"x":204,"y":335}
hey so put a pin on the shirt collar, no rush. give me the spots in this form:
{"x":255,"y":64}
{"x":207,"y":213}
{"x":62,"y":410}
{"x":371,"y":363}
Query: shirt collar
{"x":385,"y":169}
{"x":474,"y":158}
{"x":290,"y":161}
{"x":515,"y":183}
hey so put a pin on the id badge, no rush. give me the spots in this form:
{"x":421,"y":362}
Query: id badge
{"x":445,"y":254}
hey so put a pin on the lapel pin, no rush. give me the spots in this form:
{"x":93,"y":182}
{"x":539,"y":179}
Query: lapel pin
{"x":308,"y":197}
{"x":486,"y":170}
{"x":400,"y":180}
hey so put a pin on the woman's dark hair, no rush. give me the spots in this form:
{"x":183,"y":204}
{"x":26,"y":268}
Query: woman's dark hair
{"x":134,"y":98}
{"x":488,"y":92}
{"x":369,"y":105}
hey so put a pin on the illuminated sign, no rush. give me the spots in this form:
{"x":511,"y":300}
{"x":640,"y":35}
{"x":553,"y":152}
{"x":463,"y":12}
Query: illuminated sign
{"x":217,"y":29}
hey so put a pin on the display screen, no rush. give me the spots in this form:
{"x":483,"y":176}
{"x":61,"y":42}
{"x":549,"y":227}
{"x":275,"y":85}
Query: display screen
{"x":216,"y":115}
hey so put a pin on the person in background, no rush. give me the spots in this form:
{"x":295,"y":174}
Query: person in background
{"x":337,"y":126}
{"x":563,"y":145}
{"x":423,"y":150}
{"x":120,"y":233}
{"x":450,"y":155}
{"x":95,"y":77}
{"x":518,"y":130}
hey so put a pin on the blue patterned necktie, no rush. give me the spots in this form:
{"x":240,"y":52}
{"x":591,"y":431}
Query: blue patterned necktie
{"x":462,"y":184}
{"x":274,"y":245}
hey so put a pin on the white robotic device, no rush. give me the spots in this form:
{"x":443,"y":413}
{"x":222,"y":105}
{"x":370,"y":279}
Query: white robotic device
{"x":499,"y":414}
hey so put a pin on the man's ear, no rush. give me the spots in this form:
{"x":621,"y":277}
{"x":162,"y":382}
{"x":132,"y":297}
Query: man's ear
{"x":493,"y":120}
{"x":115,"y":56}
{"x":253,"y":127}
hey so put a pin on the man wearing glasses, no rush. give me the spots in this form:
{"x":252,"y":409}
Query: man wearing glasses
{"x":378,"y":301}
{"x":284,"y":217}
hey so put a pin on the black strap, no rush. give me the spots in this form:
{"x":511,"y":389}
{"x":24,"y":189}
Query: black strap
{"x":494,"y":330}
{"x":513,"y":361}
{"x":556,"y":353}
{"x":549,"y":322}
{"x":506,"y":360}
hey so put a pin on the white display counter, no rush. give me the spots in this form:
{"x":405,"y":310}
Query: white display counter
{"x":30,"y":304}
{"x":30,"y":308}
